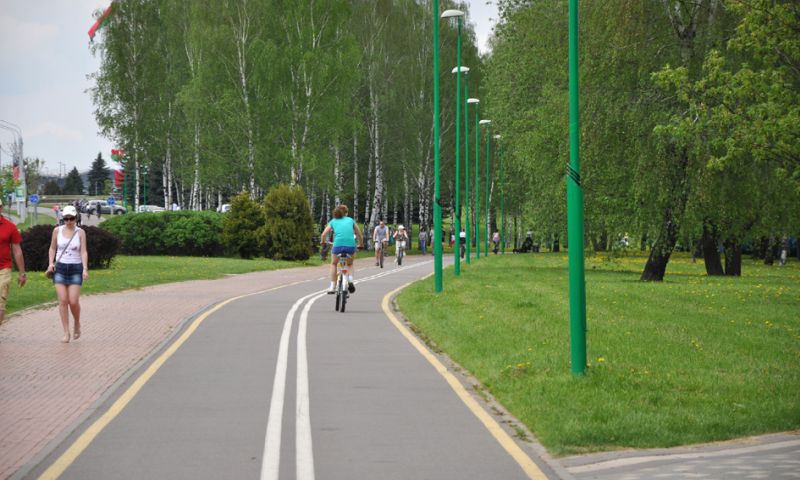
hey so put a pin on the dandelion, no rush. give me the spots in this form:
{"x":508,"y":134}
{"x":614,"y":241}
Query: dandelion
{"x":601,"y":359}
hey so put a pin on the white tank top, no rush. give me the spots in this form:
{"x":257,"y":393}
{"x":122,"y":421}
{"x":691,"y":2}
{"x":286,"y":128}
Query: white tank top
{"x":73,"y":253}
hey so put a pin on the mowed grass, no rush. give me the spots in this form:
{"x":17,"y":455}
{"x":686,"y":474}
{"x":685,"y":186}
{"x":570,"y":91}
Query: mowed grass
{"x":129,"y":272}
{"x":692,"y":359}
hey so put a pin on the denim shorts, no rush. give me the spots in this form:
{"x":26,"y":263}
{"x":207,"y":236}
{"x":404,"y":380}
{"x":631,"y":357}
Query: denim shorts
{"x":68,"y":273}
{"x":340,"y":250}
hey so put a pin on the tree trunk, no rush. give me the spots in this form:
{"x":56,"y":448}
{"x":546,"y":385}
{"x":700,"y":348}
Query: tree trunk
{"x":710,"y":250}
{"x":733,"y":258}
{"x":769,"y":251}
{"x":656,"y":265}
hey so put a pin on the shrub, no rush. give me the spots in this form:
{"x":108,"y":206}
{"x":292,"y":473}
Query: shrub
{"x":169,"y":233}
{"x":101,"y":246}
{"x":288,"y":230}
{"x":241,"y":226}
{"x":140,"y":233}
{"x":194,"y":233}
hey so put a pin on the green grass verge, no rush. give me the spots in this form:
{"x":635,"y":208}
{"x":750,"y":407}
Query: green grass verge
{"x":692,"y":359}
{"x":129,"y":272}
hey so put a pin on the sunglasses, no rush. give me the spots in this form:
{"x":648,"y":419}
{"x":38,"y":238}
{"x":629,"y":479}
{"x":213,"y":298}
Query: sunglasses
{"x":69,"y":219}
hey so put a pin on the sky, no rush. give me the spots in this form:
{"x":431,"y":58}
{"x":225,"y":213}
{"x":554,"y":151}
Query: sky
{"x":44,"y":61}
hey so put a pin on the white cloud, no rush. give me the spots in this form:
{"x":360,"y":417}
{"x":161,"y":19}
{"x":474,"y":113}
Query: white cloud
{"x":21,"y":37}
{"x":57,"y":130}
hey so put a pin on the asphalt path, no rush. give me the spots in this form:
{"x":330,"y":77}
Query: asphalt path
{"x":279,"y":385}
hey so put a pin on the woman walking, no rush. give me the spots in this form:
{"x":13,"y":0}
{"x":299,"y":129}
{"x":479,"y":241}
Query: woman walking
{"x":70,"y":263}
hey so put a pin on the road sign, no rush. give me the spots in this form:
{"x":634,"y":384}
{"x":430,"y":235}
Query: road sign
{"x":20,"y":193}
{"x":34,"y":198}
{"x":110,"y":200}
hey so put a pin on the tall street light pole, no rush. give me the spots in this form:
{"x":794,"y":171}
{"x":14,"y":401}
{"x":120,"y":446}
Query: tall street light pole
{"x":477,"y":189}
{"x":437,"y":207}
{"x":577,"y":280}
{"x":502,"y":196}
{"x":488,"y":160}
{"x":458,"y":14}
{"x":468,"y":232}
{"x":477,"y":186}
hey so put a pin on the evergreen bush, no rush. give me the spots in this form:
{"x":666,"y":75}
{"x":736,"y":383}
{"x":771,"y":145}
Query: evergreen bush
{"x":240,"y":229}
{"x":101,"y":246}
{"x":289,"y":228}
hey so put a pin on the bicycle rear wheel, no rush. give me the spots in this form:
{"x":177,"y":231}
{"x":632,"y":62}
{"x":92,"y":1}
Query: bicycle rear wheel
{"x":344,"y":293}
{"x":338,"y":292}
{"x":382,"y":255}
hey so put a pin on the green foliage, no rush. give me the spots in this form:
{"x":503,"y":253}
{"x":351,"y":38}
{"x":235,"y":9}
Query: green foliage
{"x":101,"y":246}
{"x":240,"y":228}
{"x":289,"y":230}
{"x":73,"y":185}
{"x":98,"y":175}
{"x":52,"y":188}
{"x":169,"y":233}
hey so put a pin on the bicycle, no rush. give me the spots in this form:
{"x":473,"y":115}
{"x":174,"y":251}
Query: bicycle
{"x":380,"y":246}
{"x":342,"y":294}
{"x":400,"y":252}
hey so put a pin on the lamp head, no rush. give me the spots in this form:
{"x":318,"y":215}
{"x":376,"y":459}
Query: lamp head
{"x":463,"y":69}
{"x":452,"y":14}
{"x":497,"y":137}
{"x":473,"y":100}
{"x":484,"y":122}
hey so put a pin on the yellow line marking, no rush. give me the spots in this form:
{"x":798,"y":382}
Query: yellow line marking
{"x":528,"y":466}
{"x":81,"y":443}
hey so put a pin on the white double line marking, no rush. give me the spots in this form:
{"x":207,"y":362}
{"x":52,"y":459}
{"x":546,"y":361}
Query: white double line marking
{"x":304,"y":453}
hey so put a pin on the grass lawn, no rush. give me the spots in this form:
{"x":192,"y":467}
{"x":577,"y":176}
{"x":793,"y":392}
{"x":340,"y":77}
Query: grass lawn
{"x":129,"y":272}
{"x":692,"y":359}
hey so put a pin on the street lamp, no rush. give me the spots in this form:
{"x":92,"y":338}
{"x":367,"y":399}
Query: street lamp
{"x":577,"y":278}
{"x":473,"y":101}
{"x":437,"y":207}
{"x":458,"y":14}
{"x":477,"y":186}
{"x":502,"y":197}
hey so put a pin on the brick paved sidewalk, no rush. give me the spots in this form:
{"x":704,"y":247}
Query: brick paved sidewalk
{"x":45,"y":385}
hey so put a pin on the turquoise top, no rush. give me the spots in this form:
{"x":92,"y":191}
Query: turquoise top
{"x":343,"y":233}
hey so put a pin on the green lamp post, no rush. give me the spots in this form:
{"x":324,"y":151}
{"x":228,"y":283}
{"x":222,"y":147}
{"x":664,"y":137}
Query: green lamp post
{"x":458,"y":70}
{"x":468,"y":232}
{"x":502,"y":196}
{"x":477,"y":189}
{"x":577,"y":279}
{"x":437,"y":207}
{"x":477,"y":186}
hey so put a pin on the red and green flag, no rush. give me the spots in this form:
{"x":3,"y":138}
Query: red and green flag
{"x":100,"y":22}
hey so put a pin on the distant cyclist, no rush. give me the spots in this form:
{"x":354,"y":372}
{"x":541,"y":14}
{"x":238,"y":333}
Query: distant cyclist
{"x":345,"y":232}
{"x":380,"y":237}
{"x":400,"y":236}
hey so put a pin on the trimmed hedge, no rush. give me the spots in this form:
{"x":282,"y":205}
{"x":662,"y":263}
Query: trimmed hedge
{"x":101,"y":246}
{"x":183,"y":232}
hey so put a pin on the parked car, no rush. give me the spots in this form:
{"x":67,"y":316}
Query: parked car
{"x":150,"y":208}
{"x":105,"y":208}
{"x":224,"y":208}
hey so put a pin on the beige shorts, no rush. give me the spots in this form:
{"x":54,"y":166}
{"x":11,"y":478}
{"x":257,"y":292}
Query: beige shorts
{"x":5,"y":283}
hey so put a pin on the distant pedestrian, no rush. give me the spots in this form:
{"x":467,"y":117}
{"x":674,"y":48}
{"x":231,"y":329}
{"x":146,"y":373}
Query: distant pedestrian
{"x":69,"y":262}
{"x":423,"y":240}
{"x":10,"y":240}
{"x":496,"y":241}
{"x":59,"y":218}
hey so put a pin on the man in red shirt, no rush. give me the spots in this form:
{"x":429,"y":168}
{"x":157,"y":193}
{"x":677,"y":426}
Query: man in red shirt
{"x":9,"y":243}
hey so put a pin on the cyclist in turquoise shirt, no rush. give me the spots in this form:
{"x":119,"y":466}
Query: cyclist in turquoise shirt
{"x":345,"y":232}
